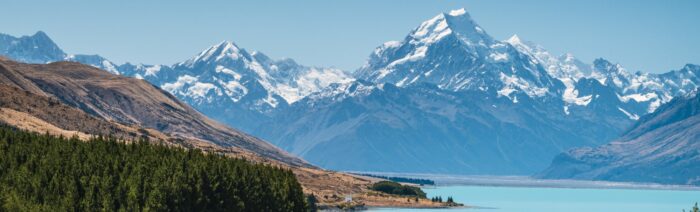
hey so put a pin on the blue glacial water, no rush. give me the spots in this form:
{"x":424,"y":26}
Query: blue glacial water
{"x":542,"y":199}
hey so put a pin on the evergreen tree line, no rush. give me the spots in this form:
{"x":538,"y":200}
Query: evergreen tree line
{"x":439,"y":199}
{"x":40,"y":172}
{"x":403,"y":179}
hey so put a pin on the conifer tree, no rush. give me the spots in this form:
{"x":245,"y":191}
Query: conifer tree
{"x":39,"y":172}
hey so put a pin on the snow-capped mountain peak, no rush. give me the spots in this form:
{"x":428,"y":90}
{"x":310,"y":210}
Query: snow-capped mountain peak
{"x":604,"y":66}
{"x":607,"y":72}
{"x":223,"y":50}
{"x":522,"y":45}
{"x":41,"y":37}
{"x":453,"y":52}
{"x":638,"y":92}
{"x":458,"y":12}
{"x":255,"y":77}
{"x":514,"y":40}
{"x":262,"y":58}
{"x":450,"y":51}
{"x":565,"y":66}
{"x":94,"y":60}
{"x":456,"y":22}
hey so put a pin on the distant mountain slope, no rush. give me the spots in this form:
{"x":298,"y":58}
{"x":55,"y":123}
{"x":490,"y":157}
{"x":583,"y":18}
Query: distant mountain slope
{"x":129,"y":101}
{"x":663,"y":147}
{"x":421,"y":128}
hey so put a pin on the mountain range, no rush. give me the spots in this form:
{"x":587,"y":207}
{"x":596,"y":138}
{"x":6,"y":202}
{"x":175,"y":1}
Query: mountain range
{"x":448,"y":98}
{"x":224,"y":81}
{"x":662,"y":147}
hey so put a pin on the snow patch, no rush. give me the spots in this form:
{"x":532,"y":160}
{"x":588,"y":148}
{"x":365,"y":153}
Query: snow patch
{"x":418,"y":54}
{"x":235,"y":90}
{"x":387,"y":45}
{"x":314,"y":79}
{"x":392,"y":44}
{"x":110,"y":67}
{"x":499,"y":56}
{"x":505,"y":91}
{"x":510,"y":83}
{"x":654,"y":105}
{"x":200,"y":89}
{"x":153,"y":70}
{"x":570,"y":94}
{"x":177,"y":85}
{"x":222,"y":69}
{"x":458,"y":12}
{"x":638,"y":97}
{"x":629,"y":115}
{"x":431,"y":31}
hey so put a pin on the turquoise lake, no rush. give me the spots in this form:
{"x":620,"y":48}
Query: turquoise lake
{"x":541,"y":199}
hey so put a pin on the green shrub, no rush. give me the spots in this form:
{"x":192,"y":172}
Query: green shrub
{"x":398,"y":189}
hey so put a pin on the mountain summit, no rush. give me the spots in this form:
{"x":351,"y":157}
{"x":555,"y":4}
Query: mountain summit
{"x":225,"y":50}
{"x":454,"y":53}
{"x":38,"y":48}
{"x":456,"y":23}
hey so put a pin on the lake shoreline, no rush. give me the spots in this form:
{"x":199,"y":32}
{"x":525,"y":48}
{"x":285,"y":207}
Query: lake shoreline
{"x":545,"y":199}
{"x":529,"y":182}
{"x":375,"y":208}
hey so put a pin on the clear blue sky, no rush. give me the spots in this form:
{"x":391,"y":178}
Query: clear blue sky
{"x":652,"y":36}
